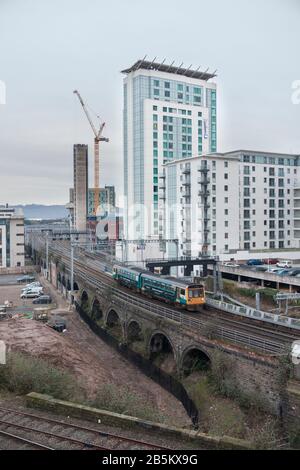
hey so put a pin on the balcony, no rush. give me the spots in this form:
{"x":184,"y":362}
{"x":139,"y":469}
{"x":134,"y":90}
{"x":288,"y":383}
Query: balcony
{"x":204,"y":170}
{"x":204,"y":181}
{"x":204,"y":192}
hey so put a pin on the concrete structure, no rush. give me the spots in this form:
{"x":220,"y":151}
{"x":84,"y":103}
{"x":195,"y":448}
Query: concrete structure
{"x":12,"y":252}
{"x":169,"y":113}
{"x":80,"y":197}
{"x":220,"y":204}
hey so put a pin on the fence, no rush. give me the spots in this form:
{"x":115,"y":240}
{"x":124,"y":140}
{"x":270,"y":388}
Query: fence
{"x":165,"y":380}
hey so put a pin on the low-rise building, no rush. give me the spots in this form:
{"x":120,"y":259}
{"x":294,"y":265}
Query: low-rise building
{"x":12,"y":245}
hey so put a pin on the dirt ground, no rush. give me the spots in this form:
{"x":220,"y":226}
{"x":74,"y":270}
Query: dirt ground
{"x":84,"y":354}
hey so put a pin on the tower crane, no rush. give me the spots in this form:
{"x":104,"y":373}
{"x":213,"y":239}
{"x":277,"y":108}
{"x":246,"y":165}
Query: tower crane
{"x":98,"y":138}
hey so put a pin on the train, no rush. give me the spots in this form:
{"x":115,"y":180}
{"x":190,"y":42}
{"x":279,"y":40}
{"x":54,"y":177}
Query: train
{"x":168,"y":289}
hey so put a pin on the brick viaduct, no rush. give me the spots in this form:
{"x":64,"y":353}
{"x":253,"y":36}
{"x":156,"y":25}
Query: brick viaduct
{"x":253,"y":375}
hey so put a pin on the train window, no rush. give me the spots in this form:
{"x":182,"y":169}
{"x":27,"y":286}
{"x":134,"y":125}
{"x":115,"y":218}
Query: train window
{"x":194,"y":293}
{"x":182,"y":291}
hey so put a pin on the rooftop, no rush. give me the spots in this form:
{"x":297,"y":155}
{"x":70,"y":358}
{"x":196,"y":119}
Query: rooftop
{"x":178,"y":70}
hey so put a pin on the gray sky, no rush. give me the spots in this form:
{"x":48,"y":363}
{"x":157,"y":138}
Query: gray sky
{"x":50,"y":47}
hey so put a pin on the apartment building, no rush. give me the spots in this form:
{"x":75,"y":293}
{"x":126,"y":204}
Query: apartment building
{"x":12,"y":245}
{"x":106,"y":199}
{"x":226,"y":202}
{"x":170,"y":113}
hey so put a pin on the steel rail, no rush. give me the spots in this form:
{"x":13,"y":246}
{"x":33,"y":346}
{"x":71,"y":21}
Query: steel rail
{"x":81,"y":428}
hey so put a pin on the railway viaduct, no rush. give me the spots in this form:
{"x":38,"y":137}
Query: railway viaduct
{"x":256,"y":378}
{"x":251,"y":375}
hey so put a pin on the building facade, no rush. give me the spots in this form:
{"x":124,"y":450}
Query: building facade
{"x":12,"y":242}
{"x":80,"y":194}
{"x":170,"y":113}
{"x":106,"y":201}
{"x":223,"y":203}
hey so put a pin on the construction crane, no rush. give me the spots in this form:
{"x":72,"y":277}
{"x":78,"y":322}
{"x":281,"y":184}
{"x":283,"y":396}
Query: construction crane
{"x":98,"y":138}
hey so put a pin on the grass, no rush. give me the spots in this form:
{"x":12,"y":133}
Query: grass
{"x":23,"y":374}
{"x":236,"y":416}
{"x":218,"y":416}
{"x":123,"y":401}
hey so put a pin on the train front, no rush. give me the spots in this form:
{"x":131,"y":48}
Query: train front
{"x":195,"y":295}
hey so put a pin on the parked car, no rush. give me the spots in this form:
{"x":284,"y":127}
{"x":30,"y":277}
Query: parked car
{"x":273,"y":270}
{"x":30,"y":295}
{"x":25,"y":278}
{"x":32,"y":289}
{"x":261,"y":268}
{"x":231,"y":265}
{"x":284,"y":264}
{"x":294,"y":271}
{"x":32,"y":284}
{"x":254,"y":262}
{"x":271,"y":261}
{"x":43,"y":299}
{"x":57,"y":323}
{"x":283,"y":272}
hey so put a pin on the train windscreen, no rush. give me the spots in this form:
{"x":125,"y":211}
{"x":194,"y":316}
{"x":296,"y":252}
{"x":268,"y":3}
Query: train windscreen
{"x":195,"y":292}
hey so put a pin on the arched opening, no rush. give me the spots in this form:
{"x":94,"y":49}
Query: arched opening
{"x":68,"y":285}
{"x":195,"y":360}
{"x":84,"y":301}
{"x":113,"y":323}
{"x":97,"y":313}
{"x":161,"y":353}
{"x":75,"y":286}
{"x":134,"y":332}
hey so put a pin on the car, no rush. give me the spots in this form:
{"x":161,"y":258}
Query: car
{"x":283,"y":272}
{"x":57,"y":323}
{"x":254,"y":262}
{"x":32,"y":284}
{"x":30,"y":295}
{"x":32,"y":289}
{"x":294,"y":272}
{"x":25,"y":278}
{"x":284,"y":264}
{"x":270,"y":261}
{"x":43,"y":299}
{"x":261,"y":268}
{"x":273,"y":270}
{"x":231,"y":265}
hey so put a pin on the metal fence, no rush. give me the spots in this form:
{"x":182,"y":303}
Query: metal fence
{"x":165,"y":380}
{"x":253,"y":313}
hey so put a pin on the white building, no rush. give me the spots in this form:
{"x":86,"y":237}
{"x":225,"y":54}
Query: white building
{"x":12,"y":247}
{"x":220,"y":204}
{"x":169,"y":113}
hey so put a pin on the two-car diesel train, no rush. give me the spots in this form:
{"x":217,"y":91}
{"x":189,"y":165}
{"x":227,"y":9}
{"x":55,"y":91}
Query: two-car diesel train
{"x":168,"y":289}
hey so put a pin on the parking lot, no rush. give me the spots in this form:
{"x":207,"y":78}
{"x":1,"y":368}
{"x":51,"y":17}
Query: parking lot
{"x":10,"y":290}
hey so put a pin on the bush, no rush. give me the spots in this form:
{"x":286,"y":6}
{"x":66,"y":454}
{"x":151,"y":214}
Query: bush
{"x":121,"y":400}
{"x":23,"y":374}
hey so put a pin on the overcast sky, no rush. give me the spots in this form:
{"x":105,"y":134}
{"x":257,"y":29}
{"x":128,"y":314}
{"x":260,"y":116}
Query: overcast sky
{"x":50,"y":47}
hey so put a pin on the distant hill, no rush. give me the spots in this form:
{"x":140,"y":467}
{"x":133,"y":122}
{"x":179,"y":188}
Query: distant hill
{"x":39,"y":211}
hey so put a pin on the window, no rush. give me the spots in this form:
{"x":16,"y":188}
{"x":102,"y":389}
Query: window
{"x":167,"y":84}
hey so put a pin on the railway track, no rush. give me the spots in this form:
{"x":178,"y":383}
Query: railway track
{"x":253,"y":336}
{"x":32,"y":431}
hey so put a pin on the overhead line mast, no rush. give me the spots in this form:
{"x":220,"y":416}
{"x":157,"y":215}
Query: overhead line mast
{"x":98,"y":138}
